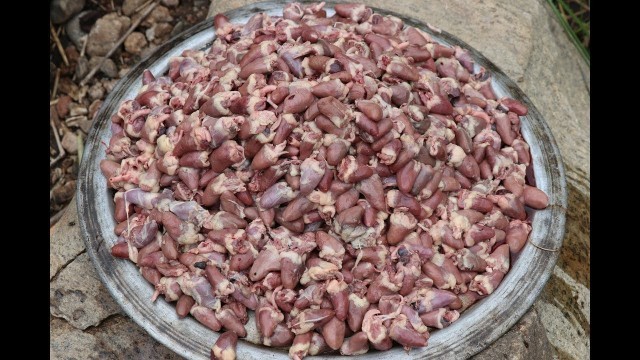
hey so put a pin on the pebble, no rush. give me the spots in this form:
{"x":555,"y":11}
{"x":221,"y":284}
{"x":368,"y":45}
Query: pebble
{"x":180,"y":26}
{"x":159,"y":14}
{"x":158,"y":32}
{"x":52,"y":71}
{"x":108,"y":67}
{"x":82,"y":68}
{"x":66,"y":86}
{"x":74,"y":32}
{"x":84,"y":123}
{"x":171,"y":3}
{"x":72,"y":53}
{"x":62,"y":107}
{"x":105,"y":33}
{"x":54,"y":175}
{"x":63,"y":193}
{"x":135,"y":42}
{"x":123,"y":72}
{"x":96,"y":91}
{"x":94,"y":107}
{"x":76,"y":109}
{"x":146,"y":52}
{"x":109,"y":84}
{"x":81,"y":122}
{"x":70,"y":143}
{"x":62,"y":10}
{"x":129,"y":6}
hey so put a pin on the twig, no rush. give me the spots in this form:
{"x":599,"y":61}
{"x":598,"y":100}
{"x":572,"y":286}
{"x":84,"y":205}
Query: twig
{"x":61,"y":152}
{"x":100,"y":5}
{"x":581,"y":11}
{"x":142,"y":6}
{"x":53,"y":102}
{"x":84,"y":44}
{"x":73,"y":118}
{"x":56,"y":217}
{"x":54,"y":92}
{"x":118,"y":43}
{"x":58,"y":44}
{"x":583,"y":5}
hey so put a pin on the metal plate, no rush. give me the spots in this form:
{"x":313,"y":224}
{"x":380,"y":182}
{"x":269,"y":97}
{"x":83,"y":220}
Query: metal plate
{"x":477,"y":327}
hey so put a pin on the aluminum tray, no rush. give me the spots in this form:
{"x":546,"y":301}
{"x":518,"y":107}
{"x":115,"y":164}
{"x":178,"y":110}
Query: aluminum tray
{"x":477,"y":327}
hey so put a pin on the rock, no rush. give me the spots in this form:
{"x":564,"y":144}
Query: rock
{"x":70,"y":143}
{"x":66,"y":86}
{"x":158,"y":31}
{"x":78,"y":296}
{"x":171,"y":3}
{"x":109,"y":84}
{"x":54,"y":175}
{"x":94,"y":107}
{"x":76,"y":109}
{"x":72,"y":53}
{"x":129,"y":6}
{"x":159,"y":14}
{"x":105,"y":33}
{"x":123,"y":72}
{"x":117,"y":338}
{"x":65,"y":242}
{"x":178,"y":28}
{"x":74,"y":32}
{"x":147,"y":51}
{"x":526,"y":340}
{"x":62,"y":107}
{"x":52,"y":71}
{"x":84,"y":123}
{"x":79,"y":93}
{"x":61,"y":194}
{"x":96,"y":91}
{"x":82,"y":68}
{"x":62,"y":10}
{"x":108,"y":67}
{"x":71,"y":167}
{"x":135,"y":42}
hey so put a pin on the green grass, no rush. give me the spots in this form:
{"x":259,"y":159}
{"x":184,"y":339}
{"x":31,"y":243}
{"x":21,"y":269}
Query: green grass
{"x":574,"y":16}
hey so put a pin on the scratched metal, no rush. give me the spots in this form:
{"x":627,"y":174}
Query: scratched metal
{"x":478,"y":327}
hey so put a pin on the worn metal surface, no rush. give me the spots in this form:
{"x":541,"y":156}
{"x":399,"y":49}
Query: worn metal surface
{"x":479,"y":326}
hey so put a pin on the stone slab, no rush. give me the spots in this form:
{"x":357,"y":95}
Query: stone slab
{"x":77,"y":295}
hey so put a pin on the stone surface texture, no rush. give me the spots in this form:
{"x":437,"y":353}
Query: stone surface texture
{"x":61,"y":10}
{"x":106,"y":33}
{"x":77,"y":295}
{"x":524,"y":39}
{"x":135,"y":42}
